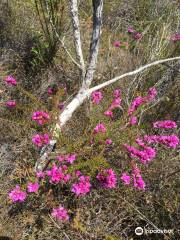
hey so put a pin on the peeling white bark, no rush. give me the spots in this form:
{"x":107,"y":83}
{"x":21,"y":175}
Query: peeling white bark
{"x":77,"y":34}
{"x":95,"y":39}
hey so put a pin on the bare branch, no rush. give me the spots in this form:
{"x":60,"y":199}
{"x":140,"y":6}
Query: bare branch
{"x":84,"y":93}
{"x":77,"y":34}
{"x":130,"y":73}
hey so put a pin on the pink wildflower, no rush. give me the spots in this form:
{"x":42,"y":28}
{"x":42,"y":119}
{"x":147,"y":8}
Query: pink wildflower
{"x":117,"y":44}
{"x":126,"y":178}
{"x":16,"y":195}
{"x":137,"y":35}
{"x":11,"y":103}
{"x":40,"y":174}
{"x":170,"y":141}
{"x":175,"y":37}
{"x":133,"y":120}
{"x":67,"y":178}
{"x":56,"y":174}
{"x":137,"y":178}
{"x":99,"y":128}
{"x":107,"y":178}
{"x":78,"y":173}
{"x":145,"y":155}
{"x":61,"y":106}
{"x":108,"y":113}
{"x":40,"y":140}
{"x":40,"y":117}
{"x":108,"y":141}
{"x":60,"y":213}
{"x":10,"y":80}
{"x":82,"y":187}
{"x":167,"y":124}
{"x":130,"y":30}
{"x":116,"y":103}
{"x":70,"y":158}
{"x":117,"y":93}
{"x":60,"y":158}
{"x":50,"y":91}
{"x":138,"y":101}
{"x":33,"y":187}
{"x":97,"y":97}
{"x":152,"y":93}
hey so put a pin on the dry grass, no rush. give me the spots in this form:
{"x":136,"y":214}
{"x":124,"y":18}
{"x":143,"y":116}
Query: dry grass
{"x":106,"y":215}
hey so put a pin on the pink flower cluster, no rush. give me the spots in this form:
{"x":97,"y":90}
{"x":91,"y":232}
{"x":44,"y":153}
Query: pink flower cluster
{"x":16,"y":195}
{"x":97,"y":97}
{"x":40,"y":139}
{"x":70,"y":158}
{"x":169,"y":140}
{"x":116,"y":103}
{"x":144,"y":156}
{"x":142,"y":100}
{"x":61,"y":106}
{"x":133,"y":120}
{"x":11,"y":103}
{"x":117,"y":44}
{"x":40,"y":117}
{"x":10,"y":80}
{"x":126,"y":178}
{"x":60,"y":213}
{"x":107,"y":178}
{"x":136,"y":35}
{"x":175,"y":37}
{"x":138,"y":181}
{"x":50,"y":91}
{"x":82,"y":187}
{"x":57,"y":174}
{"x":167,"y":124}
{"x":108,"y":141}
{"x":100,"y":128}
{"x":40,"y":174}
{"x":33,"y":187}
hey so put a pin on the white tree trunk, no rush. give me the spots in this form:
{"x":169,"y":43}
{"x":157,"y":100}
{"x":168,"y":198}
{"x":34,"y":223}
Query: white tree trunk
{"x":77,"y":34}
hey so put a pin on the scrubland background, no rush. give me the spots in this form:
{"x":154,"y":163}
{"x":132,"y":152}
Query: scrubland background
{"x":30,"y":51}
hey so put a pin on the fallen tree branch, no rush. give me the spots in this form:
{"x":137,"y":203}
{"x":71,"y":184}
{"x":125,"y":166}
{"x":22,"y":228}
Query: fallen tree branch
{"x":100,"y":86}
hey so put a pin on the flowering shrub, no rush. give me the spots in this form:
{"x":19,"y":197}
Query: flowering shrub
{"x":73,"y":169}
